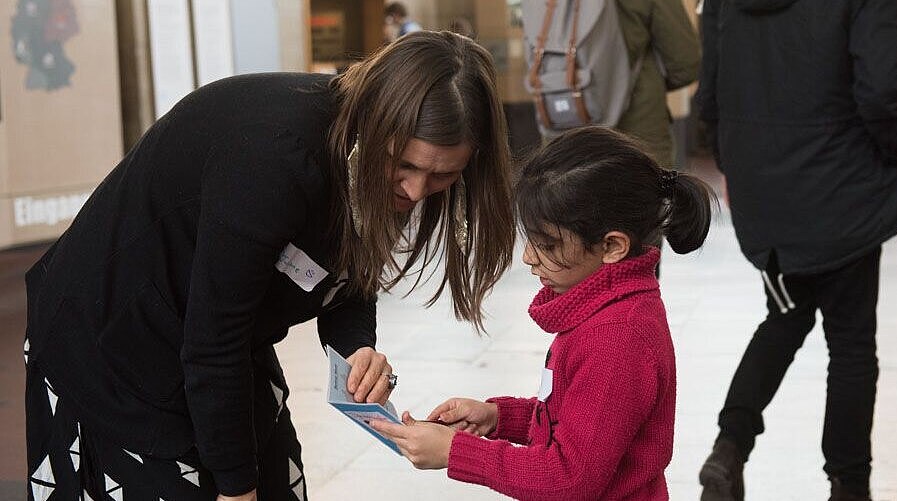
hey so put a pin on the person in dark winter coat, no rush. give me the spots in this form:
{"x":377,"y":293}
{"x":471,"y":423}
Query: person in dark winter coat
{"x":800,"y":98}
{"x":257,"y":203}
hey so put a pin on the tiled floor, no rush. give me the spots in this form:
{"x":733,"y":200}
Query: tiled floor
{"x":714,"y":300}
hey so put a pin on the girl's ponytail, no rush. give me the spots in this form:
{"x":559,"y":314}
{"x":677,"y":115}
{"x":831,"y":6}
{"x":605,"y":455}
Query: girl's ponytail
{"x":592,"y":180}
{"x":688,"y":213}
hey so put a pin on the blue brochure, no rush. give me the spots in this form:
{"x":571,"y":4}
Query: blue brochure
{"x":339,"y":397}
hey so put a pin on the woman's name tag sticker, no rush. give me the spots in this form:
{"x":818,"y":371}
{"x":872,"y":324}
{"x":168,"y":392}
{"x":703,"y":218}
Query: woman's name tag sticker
{"x":296,"y":264}
{"x":545,"y":388}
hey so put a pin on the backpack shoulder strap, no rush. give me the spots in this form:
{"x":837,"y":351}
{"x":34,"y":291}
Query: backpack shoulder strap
{"x":538,"y":52}
{"x":572,"y":82}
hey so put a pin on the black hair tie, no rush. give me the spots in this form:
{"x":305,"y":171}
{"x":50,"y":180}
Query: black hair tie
{"x":668,"y":180}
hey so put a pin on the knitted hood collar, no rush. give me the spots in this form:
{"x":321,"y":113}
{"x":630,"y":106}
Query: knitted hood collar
{"x":558,"y":313}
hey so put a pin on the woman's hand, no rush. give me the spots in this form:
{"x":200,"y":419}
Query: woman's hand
{"x":249,"y":496}
{"x":472,"y":416}
{"x":368,"y":380}
{"x":426,"y":445}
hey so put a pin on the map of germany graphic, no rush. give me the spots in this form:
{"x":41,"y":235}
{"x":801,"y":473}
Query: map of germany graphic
{"x":40,"y":28}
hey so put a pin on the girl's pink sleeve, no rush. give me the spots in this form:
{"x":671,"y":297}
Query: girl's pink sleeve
{"x":514,"y":415}
{"x":605,"y":405}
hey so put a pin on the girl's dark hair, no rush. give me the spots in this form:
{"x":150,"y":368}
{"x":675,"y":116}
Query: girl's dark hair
{"x":592,"y":180}
{"x":439,"y":88}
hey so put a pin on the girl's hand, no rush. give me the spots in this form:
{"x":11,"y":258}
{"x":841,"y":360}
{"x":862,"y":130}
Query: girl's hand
{"x":472,"y":416}
{"x":367,"y":380}
{"x":249,"y":496}
{"x":426,"y":445}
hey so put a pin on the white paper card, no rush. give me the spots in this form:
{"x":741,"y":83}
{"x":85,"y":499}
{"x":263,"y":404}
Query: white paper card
{"x":547,"y":381}
{"x":300,"y":268}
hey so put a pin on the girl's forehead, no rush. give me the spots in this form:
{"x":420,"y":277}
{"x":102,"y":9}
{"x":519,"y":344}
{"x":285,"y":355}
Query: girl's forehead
{"x":550,"y":232}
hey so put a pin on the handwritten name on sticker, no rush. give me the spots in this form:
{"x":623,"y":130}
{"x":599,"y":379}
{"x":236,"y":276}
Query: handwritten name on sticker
{"x":296,"y":264}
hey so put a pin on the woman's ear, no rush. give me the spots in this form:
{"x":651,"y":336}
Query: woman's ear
{"x":615,"y":246}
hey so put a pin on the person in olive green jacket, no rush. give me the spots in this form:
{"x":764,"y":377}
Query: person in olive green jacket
{"x":664,"y":26}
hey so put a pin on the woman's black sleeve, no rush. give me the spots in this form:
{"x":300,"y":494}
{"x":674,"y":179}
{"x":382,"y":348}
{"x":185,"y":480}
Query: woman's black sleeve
{"x":250,"y":206}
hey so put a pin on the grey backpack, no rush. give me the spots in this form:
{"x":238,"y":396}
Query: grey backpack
{"x":579,"y":70}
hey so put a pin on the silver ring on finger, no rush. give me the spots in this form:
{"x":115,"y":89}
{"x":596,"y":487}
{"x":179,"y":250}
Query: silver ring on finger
{"x":391,"y":380}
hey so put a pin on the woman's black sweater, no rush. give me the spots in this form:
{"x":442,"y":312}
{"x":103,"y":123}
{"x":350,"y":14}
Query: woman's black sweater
{"x":146,"y":314}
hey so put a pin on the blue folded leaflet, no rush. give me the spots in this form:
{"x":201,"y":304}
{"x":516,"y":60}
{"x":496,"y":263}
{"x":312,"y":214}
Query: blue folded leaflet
{"x":362,"y":413}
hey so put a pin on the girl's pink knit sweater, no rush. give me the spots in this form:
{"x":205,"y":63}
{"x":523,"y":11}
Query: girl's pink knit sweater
{"x":606,"y":429}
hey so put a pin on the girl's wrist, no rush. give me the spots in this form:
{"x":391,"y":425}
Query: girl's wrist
{"x":493,"y":413}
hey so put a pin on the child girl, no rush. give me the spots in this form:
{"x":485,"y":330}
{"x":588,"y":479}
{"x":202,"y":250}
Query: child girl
{"x":602,"y":424}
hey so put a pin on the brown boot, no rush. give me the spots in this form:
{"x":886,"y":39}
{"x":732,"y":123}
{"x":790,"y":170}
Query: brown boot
{"x":839,"y":493}
{"x":723,"y":473}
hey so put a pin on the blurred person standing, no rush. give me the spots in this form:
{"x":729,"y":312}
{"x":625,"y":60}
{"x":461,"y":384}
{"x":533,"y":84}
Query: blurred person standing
{"x":660,"y":32}
{"x":612,"y":67}
{"x":800,"y":99}
{"x":397,"y":22}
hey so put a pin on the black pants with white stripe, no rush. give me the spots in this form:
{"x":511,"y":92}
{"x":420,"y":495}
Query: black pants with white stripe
{"x":847,"y":298}
{"x":69,"y":461}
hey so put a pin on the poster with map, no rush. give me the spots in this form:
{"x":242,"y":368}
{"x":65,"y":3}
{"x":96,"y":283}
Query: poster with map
{"x":40,"y":30}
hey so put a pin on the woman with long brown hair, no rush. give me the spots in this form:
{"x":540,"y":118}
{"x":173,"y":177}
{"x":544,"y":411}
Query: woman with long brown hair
{"x":259,"y":202}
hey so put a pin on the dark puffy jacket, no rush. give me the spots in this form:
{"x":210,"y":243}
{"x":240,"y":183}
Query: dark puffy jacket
{"x":802,"y":98}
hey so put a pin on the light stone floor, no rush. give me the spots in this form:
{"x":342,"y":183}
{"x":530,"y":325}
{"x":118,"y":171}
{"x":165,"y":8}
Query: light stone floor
{"x":714,"y":301}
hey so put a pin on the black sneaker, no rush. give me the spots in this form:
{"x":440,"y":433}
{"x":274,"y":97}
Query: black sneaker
{"x":839,"y":493}
{"x":723,"y":473}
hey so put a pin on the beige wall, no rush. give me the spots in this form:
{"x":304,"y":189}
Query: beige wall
{"x":450,"y":10}
{"x":295,"y":36}
{"x":4,"y":146}
{"x":492,"y":21}
{"x":57,"y":145}
{"x":425,"y":12}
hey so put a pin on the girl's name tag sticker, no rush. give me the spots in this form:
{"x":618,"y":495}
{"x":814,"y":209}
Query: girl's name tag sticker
{"x":545,"y":388}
